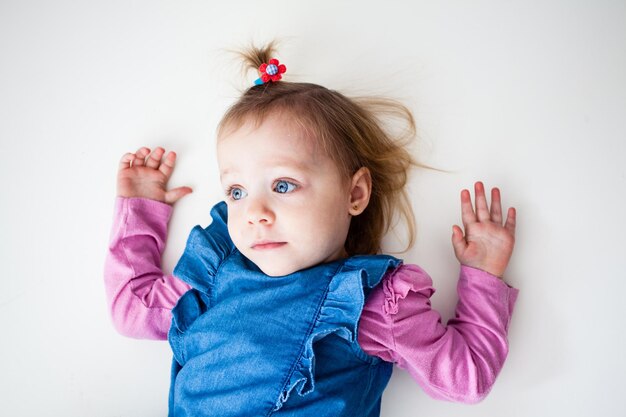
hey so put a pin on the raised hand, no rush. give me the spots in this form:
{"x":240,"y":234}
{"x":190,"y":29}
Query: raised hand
{"x":145,"y":174}
{"x":487,"y":243}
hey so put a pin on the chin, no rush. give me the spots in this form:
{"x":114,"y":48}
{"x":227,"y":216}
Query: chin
{"x":276,"y":273}
{"x":278,"y":270}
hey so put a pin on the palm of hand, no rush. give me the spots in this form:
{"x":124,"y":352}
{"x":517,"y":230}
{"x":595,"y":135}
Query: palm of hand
{"x":145,"y":174}
{"x":487,"y":243}
{"x":140,"y":181}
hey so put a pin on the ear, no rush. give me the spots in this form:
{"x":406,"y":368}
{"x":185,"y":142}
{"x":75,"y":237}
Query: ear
{"x":360,"y":191}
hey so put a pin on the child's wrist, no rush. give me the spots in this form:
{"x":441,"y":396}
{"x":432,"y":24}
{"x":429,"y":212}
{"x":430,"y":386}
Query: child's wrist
{"x":497,"y":272}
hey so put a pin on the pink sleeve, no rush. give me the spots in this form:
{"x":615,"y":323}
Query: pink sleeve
{"x":139,"y":294}
{"x":458,"y":362}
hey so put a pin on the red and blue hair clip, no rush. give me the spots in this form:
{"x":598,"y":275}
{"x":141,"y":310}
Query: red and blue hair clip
{"x":271,"y":71}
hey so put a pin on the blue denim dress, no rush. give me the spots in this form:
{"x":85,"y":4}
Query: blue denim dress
{"x":246,"y":344}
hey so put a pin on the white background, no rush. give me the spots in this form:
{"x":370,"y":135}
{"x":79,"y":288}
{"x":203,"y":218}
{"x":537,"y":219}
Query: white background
{"x":526,"y":95}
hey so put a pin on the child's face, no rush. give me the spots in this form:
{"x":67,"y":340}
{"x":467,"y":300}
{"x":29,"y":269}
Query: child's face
{"x":288,"y":203}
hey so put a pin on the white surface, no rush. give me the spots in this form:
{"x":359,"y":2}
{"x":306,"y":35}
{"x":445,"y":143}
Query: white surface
{"x":529,"y":96}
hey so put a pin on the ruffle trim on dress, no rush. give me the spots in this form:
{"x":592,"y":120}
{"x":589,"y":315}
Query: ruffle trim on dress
{"x":339,"y":314}
{"x":190,"y":306}
{"x":205,"y":251}
{"x":407,"y":278}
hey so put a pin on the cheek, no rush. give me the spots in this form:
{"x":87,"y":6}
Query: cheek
{"x":332,"y":224}
{"x":234,"y":229}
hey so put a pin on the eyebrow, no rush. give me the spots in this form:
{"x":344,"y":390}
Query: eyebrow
{"x":283,"y":164}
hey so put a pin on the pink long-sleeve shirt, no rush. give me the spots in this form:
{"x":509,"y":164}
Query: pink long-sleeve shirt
{"x":457,"y":362}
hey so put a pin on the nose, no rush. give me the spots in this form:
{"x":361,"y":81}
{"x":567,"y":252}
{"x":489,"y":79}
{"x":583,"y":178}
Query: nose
{"x":259,"y":212}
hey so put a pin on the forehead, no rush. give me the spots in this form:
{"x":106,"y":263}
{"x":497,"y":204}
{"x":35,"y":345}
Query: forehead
{"x":276,"y":141}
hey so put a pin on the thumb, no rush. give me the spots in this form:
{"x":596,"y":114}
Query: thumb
{"x":458,"y":241}
{"x":176,"y":194}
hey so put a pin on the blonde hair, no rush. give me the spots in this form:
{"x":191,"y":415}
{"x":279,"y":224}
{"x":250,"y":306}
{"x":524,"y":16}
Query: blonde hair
{"x":352,"y":132}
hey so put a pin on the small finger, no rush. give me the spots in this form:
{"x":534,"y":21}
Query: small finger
{"x":167,"y":165}
{"x":467,"y":211}
{"x":140,"y":156}
{"x":482,"y":211}
{"x":126,"y":160}
{"x":511,"y":221}
{"x":154,"y":160}
{"x":496,"y":206}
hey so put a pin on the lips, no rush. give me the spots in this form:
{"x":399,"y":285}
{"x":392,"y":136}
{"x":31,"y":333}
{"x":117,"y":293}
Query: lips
{"x":267,"y":244}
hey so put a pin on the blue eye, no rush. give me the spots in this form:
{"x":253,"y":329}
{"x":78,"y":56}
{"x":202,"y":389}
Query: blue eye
{"x":283,"y":187}
{"x":236,"y":193}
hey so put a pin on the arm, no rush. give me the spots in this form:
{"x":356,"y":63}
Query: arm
{"x":139,"y":294}
{"x":459,"y":361}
